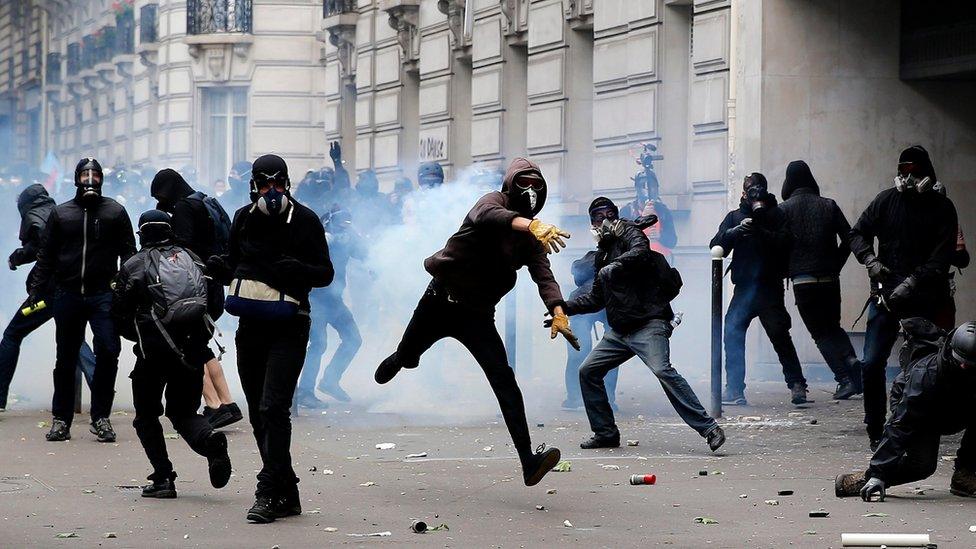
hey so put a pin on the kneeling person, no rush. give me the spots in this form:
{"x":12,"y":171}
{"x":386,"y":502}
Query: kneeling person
{"x":934,"y":395}
{"x":636,"y":285}
{"x":160,"y":303}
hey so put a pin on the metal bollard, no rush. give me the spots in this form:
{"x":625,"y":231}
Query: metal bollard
{"x":717,"y":264}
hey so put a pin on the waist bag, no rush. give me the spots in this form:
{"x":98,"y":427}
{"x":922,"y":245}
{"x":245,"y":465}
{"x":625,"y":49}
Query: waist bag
{"x":251,"y":298}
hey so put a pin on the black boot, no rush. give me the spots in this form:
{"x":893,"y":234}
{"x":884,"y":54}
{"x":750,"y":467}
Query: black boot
{"x":597,"y":441}
{"x":289,"y":504}
{"x":164,"y":488}
{"x":218,"y":462}
{"x":263,"y":510}
{"x":539,"y":464}
{"x":715,"y":438}
{"x":845,"y":389}
{"x":798,"y":393}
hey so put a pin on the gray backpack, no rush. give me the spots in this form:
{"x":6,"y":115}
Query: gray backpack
{"x":178,"y":289}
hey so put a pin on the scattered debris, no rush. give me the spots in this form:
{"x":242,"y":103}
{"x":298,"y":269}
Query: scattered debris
{"x":564,"y":466}
{"x":330,"y":529}
{"x":373,"y":535}
{"x":418,"y":527}
{"x":636,"y":480}
{"x":64,"y":535}
{"x":540,"y":507}
{"x":973,"y":528}
{"x":751,"y":418}
{"x":43,"y":424}
{"x":567,"y":524}
{"x":540,"y":424}
{"x":743,"y":496}
{"x":487,"y":448}
{"x":703,"y":473}
{"x":315,"y":511}
{"x":705,"y":520}
{"x":312,"y":469}
{"x":633,"y":442}
{"x":186,"y":536}
{"x":813,"y":422}
{"x":368,"y":484}
{"x":785,"y":493}
{"x":110,"y":535}
{"x":552,"y":491}
{"x":171,"y":436}
{"x":876,"y":515}
{"x":385,"y":446}
{"x":810,"y":532}
{"x":439,"y":527}
{"x":819,"y":514}
{"x":891,"y":540}
{"x":87,"y":491}
{"x":611,"y":467}
{"x":417,"y":455}
{"x":718,"y":472}
{"x":328,"y":472}
{"x":771,"y":502}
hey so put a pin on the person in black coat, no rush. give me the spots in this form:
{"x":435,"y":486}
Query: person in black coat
{"x":193,"y":228}
{"x":933,"y":396}
{"x":35,"y":207}
{"x":161,"y":368}
{"x":820,"y":248}
{"x":280,"y":244}
{"x":758,"y":233}
{"x":916,"y":230}
{"x":635,"y":285}
{"x":82,"y":245}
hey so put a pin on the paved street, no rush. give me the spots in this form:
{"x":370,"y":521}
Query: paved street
{"x":469,"y":481}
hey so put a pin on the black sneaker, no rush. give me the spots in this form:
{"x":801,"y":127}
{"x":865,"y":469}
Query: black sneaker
{"x":539,"y":464}
{"x":715,"y":438}
{"x":387,"y":369}
{"x":263,"y":510}
{"x":59,"y":431}
{"x":161,"y":489}
{"x":218,"y":462}
{"x":336,"y":392}
{"x":306,"y":399}
{"x":225,"y":415}
{"x":102,"y":429}
{"x":597,"y":441}
{"x":289,"y":505}
{"x":798,"y":393}
{"x":845,"y":390}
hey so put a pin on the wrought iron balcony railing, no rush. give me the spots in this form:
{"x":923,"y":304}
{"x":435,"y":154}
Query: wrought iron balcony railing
{"x":218,"y":16}
{"x":88,"y":51}
{"x":105,"y":45}
{"x":53,"y":68}
{"x":148,"y":33}
{"x":125,"y":33}
{"x":74,"y":58}
{"x":331,"y":8}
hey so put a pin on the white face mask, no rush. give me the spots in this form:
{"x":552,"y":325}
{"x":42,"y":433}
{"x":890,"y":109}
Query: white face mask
{"x":533,"y":197}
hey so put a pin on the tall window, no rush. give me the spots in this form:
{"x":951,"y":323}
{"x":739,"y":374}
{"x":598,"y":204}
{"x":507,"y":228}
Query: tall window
{"x":225,"y":131}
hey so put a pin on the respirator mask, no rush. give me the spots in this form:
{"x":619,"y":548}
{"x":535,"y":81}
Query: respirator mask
{"x":908,"y":182}
{"x":271,"y":193}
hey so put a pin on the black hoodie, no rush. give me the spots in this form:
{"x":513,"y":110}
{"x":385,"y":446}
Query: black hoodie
{"x":762,"y":257}
{"x":821,"y":233}
{"x":191,"y":221}
{"x":35,"y":206}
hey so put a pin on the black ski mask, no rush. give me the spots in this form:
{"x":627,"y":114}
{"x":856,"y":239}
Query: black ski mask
{"x":88,"y":181}
{"x":270,"y":186}
{"x":525,"y":188}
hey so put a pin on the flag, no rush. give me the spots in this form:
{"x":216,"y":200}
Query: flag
{"x":52,"y":168}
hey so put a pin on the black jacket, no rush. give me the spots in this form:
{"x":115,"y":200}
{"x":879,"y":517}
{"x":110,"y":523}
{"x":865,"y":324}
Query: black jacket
{"x":630,"y":282}
{"x":258,"y":241}
{"x":35,"y":207}
{"x":820,"y":232}
{"x":761,"y":257}
{"x":929,"y":397}
{"x":191,"y":221}
{"x":82,"y":246}
{"x":916,"y":235}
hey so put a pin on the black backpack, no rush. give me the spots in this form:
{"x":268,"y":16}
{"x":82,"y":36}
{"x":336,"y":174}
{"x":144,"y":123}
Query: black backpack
{"x":178,"y":290}
{"x":219,"y":221}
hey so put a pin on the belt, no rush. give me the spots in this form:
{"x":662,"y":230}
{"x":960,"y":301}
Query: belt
{"x":807,"y":279}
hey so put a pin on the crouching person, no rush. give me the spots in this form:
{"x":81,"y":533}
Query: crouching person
{"x":934,"y":395}
{"x":160,"y":302}
{"x":635,"y":285}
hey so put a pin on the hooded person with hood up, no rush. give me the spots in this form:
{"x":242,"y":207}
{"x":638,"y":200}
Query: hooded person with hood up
{"x":635,"y":285}
{"x":369,"y":206}
{"x":916,"y":231}
{"x":35,"y":207}
{"x":821,"y":246}
{"x":476,"y":268}
{"x":193,"y":229}
{"x":83,"y":243}
{"x":757,"y":235}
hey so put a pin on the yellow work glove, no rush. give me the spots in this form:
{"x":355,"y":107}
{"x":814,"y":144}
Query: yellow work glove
{"x":550,"y":236}
{"x":559,"y":324}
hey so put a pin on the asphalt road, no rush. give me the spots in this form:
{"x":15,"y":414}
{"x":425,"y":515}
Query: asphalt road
{"x":471,"y":483}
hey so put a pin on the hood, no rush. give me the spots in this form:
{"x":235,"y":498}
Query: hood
{"x":168,"y":187}
{"x":917,"y":155}
{"x":798,"y":176}
{"x":31,"y":197}
{"x":517,"y":167}
{"x":368,"y":185}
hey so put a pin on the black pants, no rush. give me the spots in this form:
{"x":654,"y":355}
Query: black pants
{"x":749,"y":302}
{"x":819,"y":306}
{"x":183,"y":388}
{"x":436,"y":318}
{"x":71,"y":313}
{"x":921,"y":458}
{"x":269,"y":360}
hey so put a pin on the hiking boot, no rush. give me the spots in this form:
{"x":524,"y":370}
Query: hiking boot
{"x":102,"y":429}
{"x":963,"y":483}
{"x":336,"y":392}
{"x":307,"y":399}
{"x":849,"y":485}
{"x":59,"y":431}
{"x":225,"y":415}
{"x":263,"y":510}
{"x":288,"y":505}
{"x":798,"y":393}
{"x":730,"y":398}
{"x":218,"y":462}
{"x":539,"y":464}
{"x":597,"y":441}
{"x":572,"y":404}
{"x":845,"y":389}
{"x":160,"y":489}
{"x":715,"y":438}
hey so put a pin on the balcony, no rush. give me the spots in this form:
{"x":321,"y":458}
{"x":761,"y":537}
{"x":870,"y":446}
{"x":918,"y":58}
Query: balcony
{"x":218,"y":16}
{"x":332,"y":8}
{"x":339,"y":23}
{"x":148,"y":35}
{"x":123,"y":51}
{"x":104,"y":49}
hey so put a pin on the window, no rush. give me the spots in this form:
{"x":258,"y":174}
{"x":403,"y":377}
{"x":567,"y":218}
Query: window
{"x":225,"y":131}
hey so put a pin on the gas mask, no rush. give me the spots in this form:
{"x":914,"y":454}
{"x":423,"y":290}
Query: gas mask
{"x":755,"y":196}
{"x":270,"y":193}
{"x":88,"y":180}
{"x":273,"y":202}
{"x":608,"y":228}
{"x":909,"y":182}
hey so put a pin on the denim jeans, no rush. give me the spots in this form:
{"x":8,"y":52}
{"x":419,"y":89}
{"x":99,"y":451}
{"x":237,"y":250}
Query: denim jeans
{"x":328,"y":310}
{"x":651,"y":345}
{"x":583,"y":326}
{"x":765,"y":302}
{"x":819,"y":306}
{"x":71,"y":313}
{"x":882,"y":331}
{"x":21,"y":326}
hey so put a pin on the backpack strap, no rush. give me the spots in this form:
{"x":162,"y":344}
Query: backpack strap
{"x":216,"y":341}
{"x":169,"y":340}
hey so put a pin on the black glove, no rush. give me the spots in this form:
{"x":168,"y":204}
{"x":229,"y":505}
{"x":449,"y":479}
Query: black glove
{"x":290,"y":269}
{"x":218,"y":269}
{"x":742,"y":229}
{"x":335,"y":153}
{"x":876,"y":269}
{"x":901,"y":293}
{"x":873,"y":487}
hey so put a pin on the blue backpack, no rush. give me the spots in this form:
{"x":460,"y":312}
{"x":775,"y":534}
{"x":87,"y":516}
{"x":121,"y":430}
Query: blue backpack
{"x":219,"y":221}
